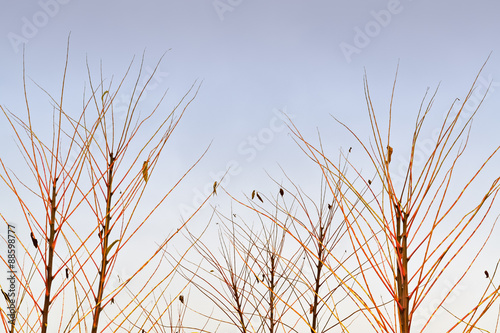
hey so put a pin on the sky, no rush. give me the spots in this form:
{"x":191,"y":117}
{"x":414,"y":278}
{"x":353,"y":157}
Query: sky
{"x":257,"y":59}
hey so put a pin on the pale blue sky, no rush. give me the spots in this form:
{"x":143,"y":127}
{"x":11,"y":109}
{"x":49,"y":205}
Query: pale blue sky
{"x":255,"y":57}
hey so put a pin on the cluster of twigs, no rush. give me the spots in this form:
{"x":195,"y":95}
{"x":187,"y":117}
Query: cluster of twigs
{"x":368,"y":254}
{"x":89,"y":177}
{"x":402,"y":242}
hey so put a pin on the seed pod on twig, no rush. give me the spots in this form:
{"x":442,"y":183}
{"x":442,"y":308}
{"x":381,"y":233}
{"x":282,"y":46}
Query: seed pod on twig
{"x":145,"y":171}
{"x":389,"y":154}
{"x":34,"y":240}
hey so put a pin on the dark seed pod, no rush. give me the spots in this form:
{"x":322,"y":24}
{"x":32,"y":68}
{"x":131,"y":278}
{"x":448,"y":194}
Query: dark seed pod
{"x":34,"y":240}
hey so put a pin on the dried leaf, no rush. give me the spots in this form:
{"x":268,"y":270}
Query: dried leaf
{"x":258,"y":197}
{"x":389,"y":154}
{"x":34,"y":240}
{"x":369,"y":182}
{"x":311,"y":308}
{"x":215,"y":188}
{"x":145,"y":171}
{"x":282,"y":193}
{"x":67,"y":273}
{"x":181,"y":298}
{"x":487,"y":274}
{"x":6,"y":297}
{"x":104,"y":94}
{"x":253,"y":194}
{"x":111,"y":246}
